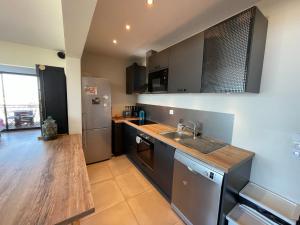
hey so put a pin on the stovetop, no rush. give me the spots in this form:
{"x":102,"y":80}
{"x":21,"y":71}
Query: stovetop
{"x":142,"y":122}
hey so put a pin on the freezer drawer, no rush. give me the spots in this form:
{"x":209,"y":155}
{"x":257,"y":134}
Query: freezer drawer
{"x":196,"y":192}
{"x":96,"y":145}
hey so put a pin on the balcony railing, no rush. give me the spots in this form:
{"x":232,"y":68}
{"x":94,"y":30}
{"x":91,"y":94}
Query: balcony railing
{"x":19,"y":117}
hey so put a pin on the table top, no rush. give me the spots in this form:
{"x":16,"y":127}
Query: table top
{"x":43,"y":182}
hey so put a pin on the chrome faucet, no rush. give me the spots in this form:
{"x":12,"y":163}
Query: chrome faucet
{"x":181,"y":127}
{"x":194,"y":128}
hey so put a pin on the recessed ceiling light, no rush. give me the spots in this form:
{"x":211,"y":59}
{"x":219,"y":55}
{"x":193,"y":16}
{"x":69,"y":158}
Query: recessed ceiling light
{"x":150,"y":2}
{"x":115,"y":41}
{"x":127,"y":26}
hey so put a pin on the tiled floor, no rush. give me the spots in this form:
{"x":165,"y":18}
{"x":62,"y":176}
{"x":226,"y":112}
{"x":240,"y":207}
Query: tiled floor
{"x":123,"y":196}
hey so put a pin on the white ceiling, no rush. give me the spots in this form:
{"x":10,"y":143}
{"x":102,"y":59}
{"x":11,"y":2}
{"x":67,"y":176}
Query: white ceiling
{"x":164,"y":24}
{"x":32,"y":22}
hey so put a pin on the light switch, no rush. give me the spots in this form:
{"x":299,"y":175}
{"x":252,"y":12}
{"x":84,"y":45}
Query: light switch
{"x":171,"y":112}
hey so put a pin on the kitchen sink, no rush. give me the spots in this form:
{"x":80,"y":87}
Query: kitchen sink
{"x":176,"y":136}
{"x":202,"y":144}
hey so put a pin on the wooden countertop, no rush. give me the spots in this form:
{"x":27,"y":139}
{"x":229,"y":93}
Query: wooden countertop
{"x":122,"y":119}
{"x":224,"y":159}
{"x":43,"y":183}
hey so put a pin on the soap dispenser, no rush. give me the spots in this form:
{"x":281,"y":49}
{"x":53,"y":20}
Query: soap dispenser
{"x":142,"y":115}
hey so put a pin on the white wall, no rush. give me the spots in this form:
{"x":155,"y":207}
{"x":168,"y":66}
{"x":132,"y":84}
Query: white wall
{"x":73,"y":75}
{"x":77,"y":17}
{"x":113,"y":69}
{"x":28,"y":56}
{"x":265,"y":122}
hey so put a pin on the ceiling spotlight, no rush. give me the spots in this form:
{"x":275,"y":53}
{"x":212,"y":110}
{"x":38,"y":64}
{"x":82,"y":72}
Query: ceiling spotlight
{"x":115,"y":41}
{"x":150,"y":2}
{"x":127,"y":27}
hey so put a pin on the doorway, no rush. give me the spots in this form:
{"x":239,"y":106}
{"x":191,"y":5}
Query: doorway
{"x":19,"y":102}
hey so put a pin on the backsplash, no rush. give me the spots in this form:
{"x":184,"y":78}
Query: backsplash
{"x":214,"y":124}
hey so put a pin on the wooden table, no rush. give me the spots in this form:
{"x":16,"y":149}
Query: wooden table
{"x":43,"y":183}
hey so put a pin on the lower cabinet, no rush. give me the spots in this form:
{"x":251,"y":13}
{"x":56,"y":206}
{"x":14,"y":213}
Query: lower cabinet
{"x":163,"y":167}
{"x":163,"y":160}
{"x":117,"y":139}
{"x":129,"y":135}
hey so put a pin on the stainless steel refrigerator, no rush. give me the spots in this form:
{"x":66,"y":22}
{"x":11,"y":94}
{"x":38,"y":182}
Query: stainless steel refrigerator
{"x":96,"y":119}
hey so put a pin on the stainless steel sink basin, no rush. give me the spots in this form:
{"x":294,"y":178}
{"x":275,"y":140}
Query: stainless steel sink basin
{"x":202,"y":144}
{"x":176,"y":136}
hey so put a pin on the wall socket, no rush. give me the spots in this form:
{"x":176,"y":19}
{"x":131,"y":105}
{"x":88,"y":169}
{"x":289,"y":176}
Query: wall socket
{"x":296,"y":145}
{"x":171,"y":112}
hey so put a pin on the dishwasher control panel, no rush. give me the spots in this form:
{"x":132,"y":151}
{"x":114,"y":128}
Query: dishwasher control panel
{"x":199,"y":168}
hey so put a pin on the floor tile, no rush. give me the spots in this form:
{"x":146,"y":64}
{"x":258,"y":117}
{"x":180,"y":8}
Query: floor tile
{"x":99,"y":172}
{"x":106,"y":194}
{"x":152,"y":209}
{"x":119,"y":214}
{"x":132,"y":183}
{"x":120,"y":165}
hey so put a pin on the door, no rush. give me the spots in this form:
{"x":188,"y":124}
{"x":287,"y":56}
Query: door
{"x":96,"y":103}
{"x":185,"y":68}
{"x":226,"y":54}
{"x":164,"y":160}
{"x":130,"y":142}
{"x":54,"y":96}
{"x":95,"y":143}
{"x":158,"y":61}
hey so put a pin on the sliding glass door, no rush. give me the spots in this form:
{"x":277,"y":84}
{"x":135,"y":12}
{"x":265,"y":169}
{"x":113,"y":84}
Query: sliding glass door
{"x":19,"y":102}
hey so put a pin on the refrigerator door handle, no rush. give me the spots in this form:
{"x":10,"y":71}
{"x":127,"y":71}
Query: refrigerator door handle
{"x":84,"y":130}
{"x":84,"y":121}
{"x":84,"y":139}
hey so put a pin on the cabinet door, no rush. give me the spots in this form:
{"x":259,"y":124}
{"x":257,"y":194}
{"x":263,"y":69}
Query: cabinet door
{"x":185,"y":68}
{"x":130,"y":80}
{"x":135,"y":79}
{"x":226,"y":54}
{"x":158,"y":61}
{"x":129,"y":141}
{"x":163,"y":167}
{"x":117,"y":139}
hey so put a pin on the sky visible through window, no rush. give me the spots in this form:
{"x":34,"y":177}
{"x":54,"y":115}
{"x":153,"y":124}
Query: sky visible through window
{"x":21,"y":93}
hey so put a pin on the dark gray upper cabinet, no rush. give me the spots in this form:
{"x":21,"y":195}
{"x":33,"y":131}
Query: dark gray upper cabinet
{"x":185,"y":65}
{"x":234,"y":53}
{"x":158,"y":60}
{"x":135,"y":79}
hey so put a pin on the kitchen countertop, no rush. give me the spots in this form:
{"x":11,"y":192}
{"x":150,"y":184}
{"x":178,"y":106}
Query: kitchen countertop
{"x":43,"y":183}
{"x":122,"y":119}
{"x":224,"y":159}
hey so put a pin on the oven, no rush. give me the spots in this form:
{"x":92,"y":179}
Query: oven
{"x":158,"y":81}
{"x":145,"y":150}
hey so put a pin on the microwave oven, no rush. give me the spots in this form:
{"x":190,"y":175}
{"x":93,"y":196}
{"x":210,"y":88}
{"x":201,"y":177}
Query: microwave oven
{"x":158,"y":81}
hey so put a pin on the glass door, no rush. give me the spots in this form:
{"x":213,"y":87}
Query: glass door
{"x":3,"y":121}
{"x":19,"y":102}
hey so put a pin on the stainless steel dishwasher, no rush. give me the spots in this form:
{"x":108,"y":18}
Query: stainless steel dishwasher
{"x":196,"y":190}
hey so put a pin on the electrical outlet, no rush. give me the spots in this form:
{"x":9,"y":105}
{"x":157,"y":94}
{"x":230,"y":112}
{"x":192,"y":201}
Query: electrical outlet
{"x":296,"y":145}
{"x":297,"y":154}
{"x":171,"y":112}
